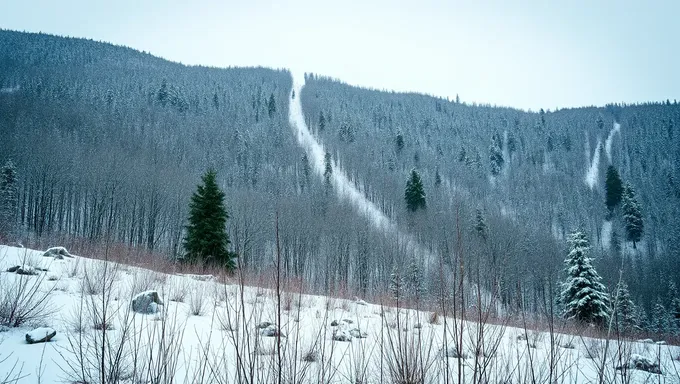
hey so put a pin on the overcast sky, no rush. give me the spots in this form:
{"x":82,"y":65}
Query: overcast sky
{"x":529,"y":54}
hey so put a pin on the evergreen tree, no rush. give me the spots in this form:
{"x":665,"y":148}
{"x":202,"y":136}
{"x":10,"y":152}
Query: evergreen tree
{"x":614,"y":188}
{"x":673,"y":302}
{"x":415,"y":192}
{"x":462,"y":155}
{"x":437,"y":178}
{"x":583,"y":295}
{"x":328,"y":170}
{"x":624,"y":308}
{"x":632,"y":216}
{"x":400,"y":141}
{"x":322,"y":122}
{"x":396,"y":286}
{"x":271,"y":105}
{"x":414,"y":281}
{"x":8,"y":199}
{"x":480,"y":225}
{"x":206,"y":238}
{"x":496,"y":156}
{"x":660,"y":321}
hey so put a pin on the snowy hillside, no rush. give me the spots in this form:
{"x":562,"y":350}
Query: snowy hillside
{"x":208,"y":332}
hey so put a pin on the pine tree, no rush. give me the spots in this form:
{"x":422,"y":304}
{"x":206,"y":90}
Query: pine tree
{"x":271,"y":105}
{"x":415,"y":192}
{"x":660,"y":321}
{"x":328,"y":170}
{"x":632,"y":216}
{"x":583,"y":295}
{"x":480,"y":225}
{"x":673,"y":302}
{"x":400,"y":141}
{"x":624,"y":308}
{"x":496,"y":156}
{"x":206,"y":238}
{"x":414,"y":281}
{"x":396,"y":286}
{"x":437,"y":178}
{"x":614,"y":188}
{"x":8,"y":199}
{"x":322,"y":122}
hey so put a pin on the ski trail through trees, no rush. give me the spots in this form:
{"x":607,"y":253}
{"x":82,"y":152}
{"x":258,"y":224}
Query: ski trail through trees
{"x":608,"y":143}
{"x":344,"y":187}
{"x":593,"y":170}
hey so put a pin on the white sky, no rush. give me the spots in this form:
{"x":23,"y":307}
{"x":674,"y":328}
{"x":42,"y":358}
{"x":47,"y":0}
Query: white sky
{"x":528,"y":54}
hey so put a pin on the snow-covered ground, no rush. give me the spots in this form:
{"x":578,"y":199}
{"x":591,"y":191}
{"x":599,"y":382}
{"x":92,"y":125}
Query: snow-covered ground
{"x":206,"y":330}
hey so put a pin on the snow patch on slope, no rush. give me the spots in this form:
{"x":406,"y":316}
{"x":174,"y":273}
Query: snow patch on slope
{"x":608,"y":143}
{"x":593,"y":169}
{"x":606,"y":234}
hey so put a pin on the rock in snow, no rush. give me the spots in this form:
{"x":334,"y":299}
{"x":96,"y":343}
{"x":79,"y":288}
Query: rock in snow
{"x":641,"y":363}
{"x":146,"y":302}
{"x":57,"y":252}
{"x":271,"y":331}
{"x":24,"y":270}
{"x":40,"y":335}
{"x":341,"y":335}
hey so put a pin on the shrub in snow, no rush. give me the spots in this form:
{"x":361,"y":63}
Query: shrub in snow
{"x":57,"y":252}
{"x":146,"y":302}
{"x":453,"y":352}
{"x":310,"y":356}
{"x":40,"y":335}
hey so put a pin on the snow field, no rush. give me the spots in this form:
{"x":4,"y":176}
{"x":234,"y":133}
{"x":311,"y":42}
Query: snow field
{"x":209,"y":332}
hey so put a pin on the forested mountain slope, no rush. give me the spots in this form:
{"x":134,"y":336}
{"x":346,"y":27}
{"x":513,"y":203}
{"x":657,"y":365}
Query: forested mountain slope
{"x":109,"y":143}
{"x":536,"y":172}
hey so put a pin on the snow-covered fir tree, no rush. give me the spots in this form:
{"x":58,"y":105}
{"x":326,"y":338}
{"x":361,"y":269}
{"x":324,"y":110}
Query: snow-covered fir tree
{"x":583,"y":295}
{"x":396,"y":286}
{"x":632,"y":215}
{"x":660,"y":320}
{"x":8,"y":199}
{"x":673,"y":302}
{"x":415,"y":284}
{"x":624,"y":309}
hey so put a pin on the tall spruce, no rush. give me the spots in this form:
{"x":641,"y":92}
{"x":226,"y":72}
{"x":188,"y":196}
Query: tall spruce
{"x":624,"y":309}
{"x":8,"y":199}
{"x":583,"y":295}
{"x":614,"y":189}
{"x":206,"y":239}
{"x":415,"y":192}
{"x":632,"y":216}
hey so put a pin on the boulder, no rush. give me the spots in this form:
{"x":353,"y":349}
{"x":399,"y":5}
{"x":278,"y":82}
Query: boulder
{"x":641,"y":363}
{"x":146,"y":302}
{"x":40,"y":335}
{"x":271,"y":331}
{"x":356,"y":333}
{"x":57,"y":252}
{"x":264,"y":324}
{"x":24,"y":270}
